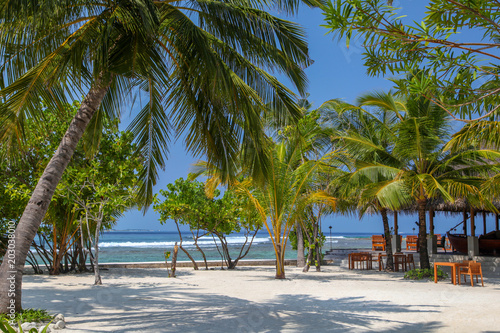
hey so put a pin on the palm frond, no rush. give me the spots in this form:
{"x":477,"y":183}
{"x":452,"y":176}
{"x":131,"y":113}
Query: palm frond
{"x":151,"y":129}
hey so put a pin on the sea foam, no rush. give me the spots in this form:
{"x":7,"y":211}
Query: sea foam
{"x":187,"y":243}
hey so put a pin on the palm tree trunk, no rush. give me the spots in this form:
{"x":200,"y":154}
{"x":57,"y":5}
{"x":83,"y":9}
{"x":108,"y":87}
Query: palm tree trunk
{"x":316,"y":250}
{"x":309,"y":253}
{"x":280,"y":263}
{"x":11,"y":275}
{"x":388,"y":241}
{"x":422,"y":235}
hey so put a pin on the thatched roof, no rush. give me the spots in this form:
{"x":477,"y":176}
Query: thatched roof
{"x":460,"y":205}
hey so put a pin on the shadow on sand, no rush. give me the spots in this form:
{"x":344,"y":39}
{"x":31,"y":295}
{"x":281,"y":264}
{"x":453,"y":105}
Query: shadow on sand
{"x":147,"y":307}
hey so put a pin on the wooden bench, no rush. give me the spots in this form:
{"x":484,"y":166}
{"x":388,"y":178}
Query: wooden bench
{"x":412,"y":243}
{"x":378,"y":242}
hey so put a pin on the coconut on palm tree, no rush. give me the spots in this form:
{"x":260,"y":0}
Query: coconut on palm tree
{"x":199,"y":65}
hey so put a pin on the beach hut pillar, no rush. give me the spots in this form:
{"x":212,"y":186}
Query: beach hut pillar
{"x":465,"y":223}
{"x":484,"y":223}
{"x":431,"y":221}
{"x":496,"y":221}
{"x":472,"y":223}
{"x":431,"y":239}
{"x":396,"y":240}
{"x":472,"y":241}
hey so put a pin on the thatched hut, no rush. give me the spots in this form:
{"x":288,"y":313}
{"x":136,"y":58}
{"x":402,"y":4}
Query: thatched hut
{"x":459,"y":206}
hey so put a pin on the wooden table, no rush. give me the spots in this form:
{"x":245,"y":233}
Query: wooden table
{"x":454,"y":267}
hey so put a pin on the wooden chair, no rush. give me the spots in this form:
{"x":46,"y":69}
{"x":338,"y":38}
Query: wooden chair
{"x":441,"y":242}
{"x":409,"y":261}
{"x":380,"y":261}
{"x":366,"y":258}
{"x":361,"y":260}
{"x":412,"y":243}
{"x":448,"y":245}
{"x":467,"y":262}
{"x":378,"y":242}
{"x":399,"y":259}
{"x":474,"y":268}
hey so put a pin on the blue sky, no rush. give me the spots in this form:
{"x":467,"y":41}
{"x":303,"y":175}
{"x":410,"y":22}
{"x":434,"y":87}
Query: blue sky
{"x":337,"y":72}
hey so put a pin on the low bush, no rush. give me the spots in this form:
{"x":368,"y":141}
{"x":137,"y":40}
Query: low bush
{"x":420,"y":274}
{"x":30,"y":315}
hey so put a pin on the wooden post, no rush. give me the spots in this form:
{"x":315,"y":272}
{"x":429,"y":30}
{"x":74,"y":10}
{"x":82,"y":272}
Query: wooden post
{"x":431,"y":221}
{"x":396,"y":227}
{"x":496,"y":222}
{"x":484,"y":223}
{"x":465,"y":223}
{"x":472,"y":223}
{"x":397,"y":241}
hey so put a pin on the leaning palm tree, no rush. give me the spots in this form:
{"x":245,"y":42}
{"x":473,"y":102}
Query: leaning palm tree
{"x":203,"y":77}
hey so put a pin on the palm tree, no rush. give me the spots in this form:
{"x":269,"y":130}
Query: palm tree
{"x":283,"y":197}
{"x":357,"y":129}
{"x":417,"y":168}
{"x":202,"y":77}
{"x":483,"y":134}
{"x":312,"y":139}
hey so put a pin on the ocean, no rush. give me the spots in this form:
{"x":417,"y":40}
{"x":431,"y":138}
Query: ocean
{"x":146,"y":246}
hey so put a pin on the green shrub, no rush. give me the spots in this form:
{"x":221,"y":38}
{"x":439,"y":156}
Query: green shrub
{"x":420,"y":274}
{"x":30,"y":315}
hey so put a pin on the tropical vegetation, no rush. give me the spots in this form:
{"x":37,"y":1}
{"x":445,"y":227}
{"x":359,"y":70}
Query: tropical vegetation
{"x":30,"y":315}
{"x":170,"y":53}
{"x":91,"y":195}
{"x":287,"y":196}
{"x":448,"y":62}
{"x":63,"y":242}
{"x":186,"y":203}
{"x":453,"y":49}
{"x":203,"y":71}
{"x":403,"y":162}
{"x":427,"y":273}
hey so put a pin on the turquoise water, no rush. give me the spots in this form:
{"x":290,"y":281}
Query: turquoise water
{"x":144,"y":246}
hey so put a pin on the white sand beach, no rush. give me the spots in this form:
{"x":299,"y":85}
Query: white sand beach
{"x":249,"y":299}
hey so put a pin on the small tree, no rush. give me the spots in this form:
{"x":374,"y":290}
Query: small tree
{"x":186,"y":203}
{"x":179,"y":198}
{"x":104,"y":205}
{"x":234,"y":213}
